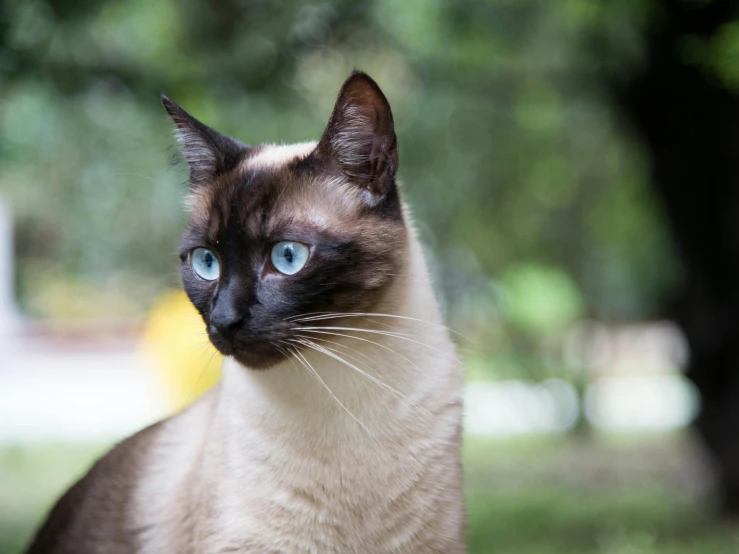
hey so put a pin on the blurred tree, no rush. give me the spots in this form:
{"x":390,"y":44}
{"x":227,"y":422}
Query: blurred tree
{"x":685,"y":104}
{"x":506,"y":153}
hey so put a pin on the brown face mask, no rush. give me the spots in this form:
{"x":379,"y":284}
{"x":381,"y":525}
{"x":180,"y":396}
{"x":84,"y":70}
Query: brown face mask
{"x":320,"y":231}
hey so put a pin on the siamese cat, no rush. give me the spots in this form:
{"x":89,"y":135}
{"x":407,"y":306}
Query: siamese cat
{"x":336,"y":427}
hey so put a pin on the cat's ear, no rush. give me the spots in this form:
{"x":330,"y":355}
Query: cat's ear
{"x":208,"y":152}
{"x":360,"y":136}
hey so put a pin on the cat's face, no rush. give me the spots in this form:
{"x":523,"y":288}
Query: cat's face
{"x":282,"y":232}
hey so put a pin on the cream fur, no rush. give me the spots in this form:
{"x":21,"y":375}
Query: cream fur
{"x":268,"y":156}
{"x":270,"y":462}
{"x":276,"y":460}
{"x":274,"y":155}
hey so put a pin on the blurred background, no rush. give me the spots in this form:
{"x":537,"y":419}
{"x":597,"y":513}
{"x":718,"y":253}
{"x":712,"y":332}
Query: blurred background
{"x":573,"y":170}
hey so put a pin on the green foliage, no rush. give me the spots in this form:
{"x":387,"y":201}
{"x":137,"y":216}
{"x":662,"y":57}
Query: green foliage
{"x":509,"y":149}
{"x":541,"y":300}
{"x":608,"y":496}
{"x":31,"y":478}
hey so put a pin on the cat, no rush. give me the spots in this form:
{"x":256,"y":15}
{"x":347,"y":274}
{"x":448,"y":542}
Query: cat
{"x":336,"y":426}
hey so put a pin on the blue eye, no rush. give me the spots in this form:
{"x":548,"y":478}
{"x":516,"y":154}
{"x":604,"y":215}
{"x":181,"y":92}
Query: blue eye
{"x":289,"y":257}
{"x":205,"y":264}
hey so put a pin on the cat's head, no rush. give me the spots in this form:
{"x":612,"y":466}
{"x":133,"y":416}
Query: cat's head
{"x":281,"y":232}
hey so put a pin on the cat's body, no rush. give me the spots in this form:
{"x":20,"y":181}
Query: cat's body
{"x":348,"y":442}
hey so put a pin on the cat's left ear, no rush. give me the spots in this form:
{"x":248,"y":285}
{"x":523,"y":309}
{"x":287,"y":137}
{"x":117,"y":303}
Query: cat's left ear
{"x":208,"y":152}
{"x":360,"y":136}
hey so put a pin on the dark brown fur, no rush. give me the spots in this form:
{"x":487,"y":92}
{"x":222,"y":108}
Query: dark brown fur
{"x":89,"y":518}
{"x":240,"y":212}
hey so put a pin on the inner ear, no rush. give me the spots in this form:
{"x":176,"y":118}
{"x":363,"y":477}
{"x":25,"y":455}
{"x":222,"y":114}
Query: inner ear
{"x":360,"y":136}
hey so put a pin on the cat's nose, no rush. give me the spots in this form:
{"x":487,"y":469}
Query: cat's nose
{"x":227,"y":322}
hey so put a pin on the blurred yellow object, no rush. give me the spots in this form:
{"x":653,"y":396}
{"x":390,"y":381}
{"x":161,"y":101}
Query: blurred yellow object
{"x":177,"y":345}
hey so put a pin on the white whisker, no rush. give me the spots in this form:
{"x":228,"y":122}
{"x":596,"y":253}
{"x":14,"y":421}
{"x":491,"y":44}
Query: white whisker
{"x":362,"y":339}
{"x":332,"y":353}
{"x":310,"y":368}
{"x":374,"y":331}
{"x":318,"y":316}
{"x":202,"y":372}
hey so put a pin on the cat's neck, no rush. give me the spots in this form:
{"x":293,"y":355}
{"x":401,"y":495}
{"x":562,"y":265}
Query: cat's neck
{"x":395,"y":371}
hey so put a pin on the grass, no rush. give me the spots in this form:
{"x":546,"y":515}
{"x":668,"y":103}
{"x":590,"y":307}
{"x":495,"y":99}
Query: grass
{"x":31,"y":479}
{"x":596,"y":496}
{"x":556,"y":521}
{"x":534,"y":496}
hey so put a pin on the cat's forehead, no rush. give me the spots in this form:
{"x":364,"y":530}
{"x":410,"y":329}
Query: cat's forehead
{"x":273,"y":188}
{"x":276,"y":156}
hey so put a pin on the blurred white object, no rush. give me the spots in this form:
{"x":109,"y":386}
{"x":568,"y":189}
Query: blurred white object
{"x":504,"y":408}
{"x":659,"y":402}
{"x":8,"y":310}
{"x":75,"y":396}
{"x":649,"y":403}
{"x":627,"y":349}
{"x":55,"y":387}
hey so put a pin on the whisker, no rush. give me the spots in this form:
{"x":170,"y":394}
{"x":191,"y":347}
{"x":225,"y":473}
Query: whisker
{"x":292,"y":356}
{"x":202,"y":372}
{"x":282,"y":351}
{"x":394,"y":392}
{"x":309,"y":367}
{"x":198,"y":345}
{"x":337,"y":316}
{"x":318,"y":316}
{"x":337,"y":344}
{"x":295,"y":317}
{"x":399,"y":333}
{"x":333,"y":354}
{"x":368,"y":341}
{"x":374,"y":331}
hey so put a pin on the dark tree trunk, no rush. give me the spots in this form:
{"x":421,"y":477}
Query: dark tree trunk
{"x":690,"y":124}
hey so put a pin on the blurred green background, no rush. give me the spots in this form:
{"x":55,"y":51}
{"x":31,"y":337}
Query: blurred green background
{"x":515,"y":164}
{"x":530,"y":190}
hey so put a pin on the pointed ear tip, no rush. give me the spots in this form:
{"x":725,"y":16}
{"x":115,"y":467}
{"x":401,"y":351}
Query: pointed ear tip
{"x":172,"y":108}
{"x":361,"y":83}
{"x":166,"y":102}
{"x":357,"y":75}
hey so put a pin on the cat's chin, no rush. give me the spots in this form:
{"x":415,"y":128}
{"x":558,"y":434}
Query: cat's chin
{"x":253,"y":354}
{"x":257,"y":360}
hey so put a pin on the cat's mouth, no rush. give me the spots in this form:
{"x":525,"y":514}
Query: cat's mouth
{"x":252,"y":353}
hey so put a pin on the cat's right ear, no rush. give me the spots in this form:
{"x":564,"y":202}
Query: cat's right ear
{"x":360,"y":136}
{"x":208,"y":152}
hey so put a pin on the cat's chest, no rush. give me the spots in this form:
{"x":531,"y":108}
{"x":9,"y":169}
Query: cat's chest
{"x":361,"y":500}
